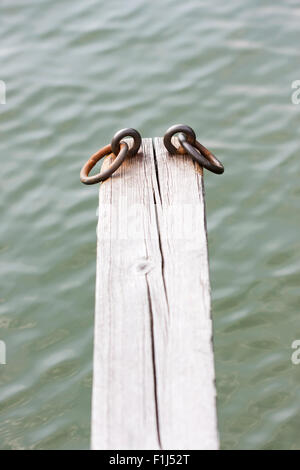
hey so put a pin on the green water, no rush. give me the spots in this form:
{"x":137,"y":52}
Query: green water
{"x":75,"y":73}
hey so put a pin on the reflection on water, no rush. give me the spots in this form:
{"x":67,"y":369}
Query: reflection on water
{"x":74,"y":75}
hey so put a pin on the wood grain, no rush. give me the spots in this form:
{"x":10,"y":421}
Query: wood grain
{"x":153,"y":358}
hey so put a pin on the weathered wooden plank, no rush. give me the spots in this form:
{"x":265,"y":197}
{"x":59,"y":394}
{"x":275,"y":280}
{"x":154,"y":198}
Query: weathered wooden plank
{"x":188,"y":410}
{"x":153,"y":360}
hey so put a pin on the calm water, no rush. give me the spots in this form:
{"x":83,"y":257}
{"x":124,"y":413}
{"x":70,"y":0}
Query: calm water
{"x":75,"y":73}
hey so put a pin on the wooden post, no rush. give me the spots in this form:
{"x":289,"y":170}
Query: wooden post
{"x":153,"y":359}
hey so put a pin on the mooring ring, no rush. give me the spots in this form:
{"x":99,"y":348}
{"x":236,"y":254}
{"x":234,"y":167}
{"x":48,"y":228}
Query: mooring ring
{"x":128,"y":132}
{"x":186,"y":130}
{"x":102,"y":176}
{"x":201,"y":154}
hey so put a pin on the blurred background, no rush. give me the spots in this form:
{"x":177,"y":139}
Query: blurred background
{"x":76,"y":72}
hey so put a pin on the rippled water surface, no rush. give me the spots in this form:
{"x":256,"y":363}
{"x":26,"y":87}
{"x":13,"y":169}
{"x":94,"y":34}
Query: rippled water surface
{"x":75,"y":73}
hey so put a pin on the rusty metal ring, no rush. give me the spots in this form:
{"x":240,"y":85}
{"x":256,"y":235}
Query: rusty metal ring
{"x":188,"y":132}
{"x":128,"y":132}
{"x":201,"y":154}
{"x":102,"y":176}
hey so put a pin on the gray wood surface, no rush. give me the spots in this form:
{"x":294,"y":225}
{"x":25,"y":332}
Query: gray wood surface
{"x":153,"y":359}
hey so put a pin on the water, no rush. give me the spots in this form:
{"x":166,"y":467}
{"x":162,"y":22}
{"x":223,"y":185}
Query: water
{"x":75,"y":73}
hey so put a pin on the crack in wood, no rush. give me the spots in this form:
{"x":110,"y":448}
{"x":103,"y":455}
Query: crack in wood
{"x":154,"y":364}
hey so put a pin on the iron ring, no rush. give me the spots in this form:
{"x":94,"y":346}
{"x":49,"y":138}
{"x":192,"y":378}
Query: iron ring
{"x":202,"y":155}
{"x":188,"y":132}
{"x":128,"y":132}
{"x":102,"y":176}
